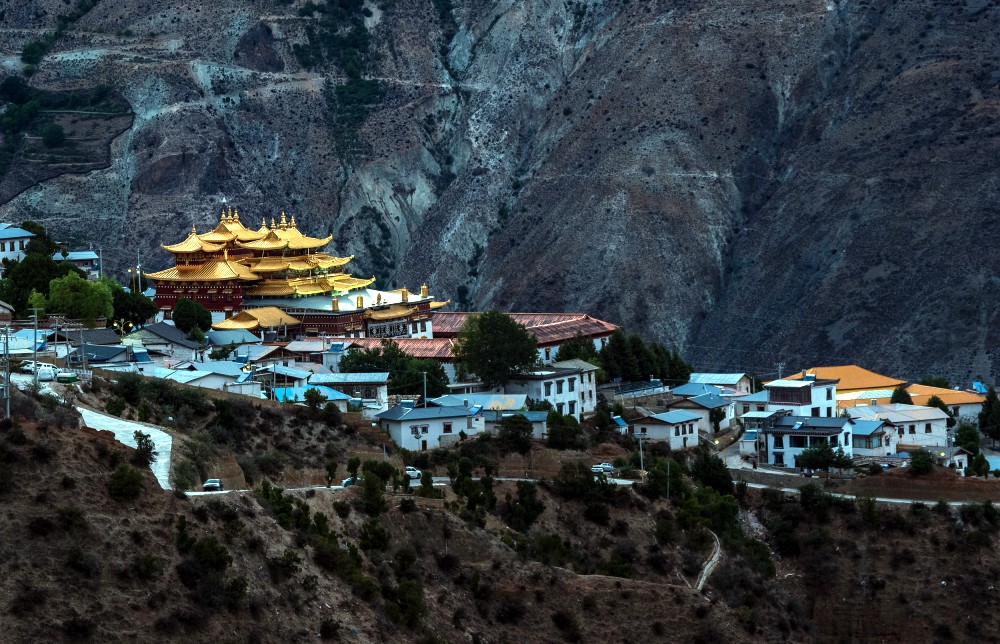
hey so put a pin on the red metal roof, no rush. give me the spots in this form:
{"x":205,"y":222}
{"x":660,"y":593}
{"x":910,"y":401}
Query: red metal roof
{"x":548,"y":328}
{"x":435,"y":348}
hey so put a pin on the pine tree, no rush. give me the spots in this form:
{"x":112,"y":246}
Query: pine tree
{"x":901,"y":395}
{"x":989,"y":417}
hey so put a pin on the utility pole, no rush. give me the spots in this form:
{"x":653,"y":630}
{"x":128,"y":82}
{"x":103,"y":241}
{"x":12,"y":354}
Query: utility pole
{"x":781,"y":368}
{"x":34,"y":345}
{"x":6,"y":368}
{"x":642,"y":465}
{"x":425,"y":388}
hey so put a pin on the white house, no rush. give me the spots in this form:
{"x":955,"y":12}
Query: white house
{"x":806,"y":397}
{"x":226,"y":375}
{"x":86,"y":260}
{"x":372,"y":388}
{"x":703,"y":406}
{"x":872,"y":438}
{"x":750,"y":402}
{"x":538,"y":419}
{"x":12,"y":243}
{"x":423,"y":428}
{"x":570,"y":385}
{"x":679,"y":426}
{"x":738,"y":382}
{"x":784,"y":437}
{"x":298,"y":395}
{"x":914,"y":425}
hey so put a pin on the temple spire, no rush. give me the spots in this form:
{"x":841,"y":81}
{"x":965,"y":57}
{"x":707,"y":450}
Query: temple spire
{"x":284,"y":221}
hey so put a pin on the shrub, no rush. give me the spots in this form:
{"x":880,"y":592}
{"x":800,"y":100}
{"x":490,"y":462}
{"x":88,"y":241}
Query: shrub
{"x":125,"y":483}
{"x":148,"y":567}
{"x":72,"y":519}
{"x":115,"y":406}
{"x":53,"y":135}
{"x":373,"y":536}
{"x":921,"y":462}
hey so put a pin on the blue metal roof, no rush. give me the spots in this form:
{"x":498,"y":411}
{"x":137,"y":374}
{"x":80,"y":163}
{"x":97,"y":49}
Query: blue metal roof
{"x":695,"y":389}
{"x":485,"y":400}
{"x":426,"y":413}
{"x":74,"y":255}
{"x":866,"y":427}
{"x":13,"y":232}
{"x":710,"y":401}
{"x":287,"y":394}
{"x":716,"y":378}
{"x":288,"y":372}
{"x":370,"y":378}
{"x":619,"y":421}
{"x":676,"y":416}
{"x":233,"y":336}
{"x":532,"y":416}
{"x":759,"y":397}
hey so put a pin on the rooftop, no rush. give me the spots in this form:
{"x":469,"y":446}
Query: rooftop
{"x":851,"y":377}
{"x":897,"y":413}
{"x":676,"y":416}
{"x":548,"y":328}
{"x":13,"y":232}
{"x":369,"y":378}
{"x":691,"y":389}
{"x":727,"y":379}
{"x":486,"y":401}
{"x":399,"y":412}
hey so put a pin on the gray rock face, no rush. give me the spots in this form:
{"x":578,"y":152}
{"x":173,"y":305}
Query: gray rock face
{"x":754,"y":182}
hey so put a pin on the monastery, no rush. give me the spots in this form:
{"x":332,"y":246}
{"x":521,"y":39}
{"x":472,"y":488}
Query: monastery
{"x":277,"y":277}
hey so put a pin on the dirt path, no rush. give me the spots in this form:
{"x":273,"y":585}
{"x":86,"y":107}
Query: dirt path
{"x":710,"y":565}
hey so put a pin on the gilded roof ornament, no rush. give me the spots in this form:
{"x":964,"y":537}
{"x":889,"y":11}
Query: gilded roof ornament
{"x":292,"y":225}
{"x":284,"y":222}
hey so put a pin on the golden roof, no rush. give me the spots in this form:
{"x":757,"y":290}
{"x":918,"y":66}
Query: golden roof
{"x":250,"y":319}
{"x":394,"y":312}
{"x":270,"y":241}
{"x":192,"y":244}
{"x":271,"y":288}
{"x":922,"y":393}
{"x":439,"y":305}
{"x":213,"y":270}
{"x":230,"y":228}
{"x":320,"y":261}
{"x":302,"y":242}
{"x":344,"y":282}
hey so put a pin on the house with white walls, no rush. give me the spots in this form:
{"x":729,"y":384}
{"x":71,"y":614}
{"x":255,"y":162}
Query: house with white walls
{"x":805,"y":397}
{"x":678,"y":426}
{"x":424,"y":428}
{"x":780,"y":441}
{"x":913,"y":425}
{"x":570,"y":386}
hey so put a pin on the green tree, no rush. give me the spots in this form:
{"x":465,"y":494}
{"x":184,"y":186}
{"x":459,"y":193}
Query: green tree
{"x":578,"y":347}
{"x":711,"y":470}
{"x":53,"y":135}
{"x":313,"y":399}
{"x":564,"y":432}
{"x":189,"y":314}
{"x":145,"y":450}
{"x":405,"y":371}
{"x":934,"y":401}
{"x":935,"y":381}
{"x":989,"y":417}
{"x":496,"y":348}
{"x":514,"y":435}
{"x":41,"y":243}
{"x":921,"y":462}
{"x":967,"y":437}
{"x":131,"y":307}
{"x":33,"y":273}
{"x":980,"y":466}
{"x":353,"y":464}
{"x":37,"y":301}
{"x":716,"y":416}
{"x":901,"y":395}
{"x":15,"y":89}
{"x":81,"y":299}
{"x":330,"y":472}
{"x":523,"y":511}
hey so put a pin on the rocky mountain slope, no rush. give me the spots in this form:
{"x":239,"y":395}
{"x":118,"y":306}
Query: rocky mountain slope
{"x":752,"y":181}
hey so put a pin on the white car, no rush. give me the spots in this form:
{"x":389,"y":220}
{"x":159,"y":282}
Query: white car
{"x":413,"y":473}
{"x":29,"y":366}
{"x":602,"y":468}
{"x":46,"y":372}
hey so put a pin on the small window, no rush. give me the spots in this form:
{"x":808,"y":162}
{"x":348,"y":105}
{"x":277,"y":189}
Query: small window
{"x":642,"y":430}
{"x":548,"y":389}
{"x":927,"y":428}
{"x":829,"y":393}
{"x":423,"y":326}
{"x":815,"y":411}
{"x":677,"y":431}
{"x":572,"y":384}
{"x":559,"y":386}
{"x":424,"y":429}
{"x":913,"y":429}
{"x":548,"y":353}
{"x":572,"y":408}
{"x":779,"y":442}
{"x":559,"y":408}
{"x":447,"y":428}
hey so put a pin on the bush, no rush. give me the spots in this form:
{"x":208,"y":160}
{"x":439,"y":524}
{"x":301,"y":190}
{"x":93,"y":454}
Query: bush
{"x":373,"y":536}
{"x":921,"y":462}
{"x":53,"y":135}
{"x":125,"y":483}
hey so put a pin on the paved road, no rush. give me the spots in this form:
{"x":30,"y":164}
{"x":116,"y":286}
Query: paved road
{"x":124,"y":431}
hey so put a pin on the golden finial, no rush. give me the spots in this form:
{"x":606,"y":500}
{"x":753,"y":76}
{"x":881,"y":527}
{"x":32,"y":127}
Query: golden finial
{"x":236,"y":216}
{"x":222,"y":217}
{"x":284,"y":222}
{"x":194,"y":231}
{"x":292,"y":225}
{"x":272,"y":224}
{"x":423,"y":290}
{"x":225,"y":254}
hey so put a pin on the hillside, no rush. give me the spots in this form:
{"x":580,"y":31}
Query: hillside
{"x":752,"y":181}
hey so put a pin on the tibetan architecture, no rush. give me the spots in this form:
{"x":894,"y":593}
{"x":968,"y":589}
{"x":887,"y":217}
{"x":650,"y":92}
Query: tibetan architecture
{"x":274,"y":269}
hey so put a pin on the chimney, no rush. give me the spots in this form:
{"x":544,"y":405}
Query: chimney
{"x":803,"y":374}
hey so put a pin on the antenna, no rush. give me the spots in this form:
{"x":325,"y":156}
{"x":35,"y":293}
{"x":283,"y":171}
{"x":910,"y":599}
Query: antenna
{"x":780,"y":366}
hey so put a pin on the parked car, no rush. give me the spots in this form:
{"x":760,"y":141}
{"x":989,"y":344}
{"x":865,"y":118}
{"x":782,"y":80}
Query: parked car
{"x":413,"y":473}
{"x":351,"y":480}
{"x":213,"y":485}
{"x":46,"y":372}
{"x":29,"y":366}
{"x":602,"y":468}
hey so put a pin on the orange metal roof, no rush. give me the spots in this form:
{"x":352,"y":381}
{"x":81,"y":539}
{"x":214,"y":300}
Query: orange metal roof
{"x":851,"y":377}
{"x":922,"y":393}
